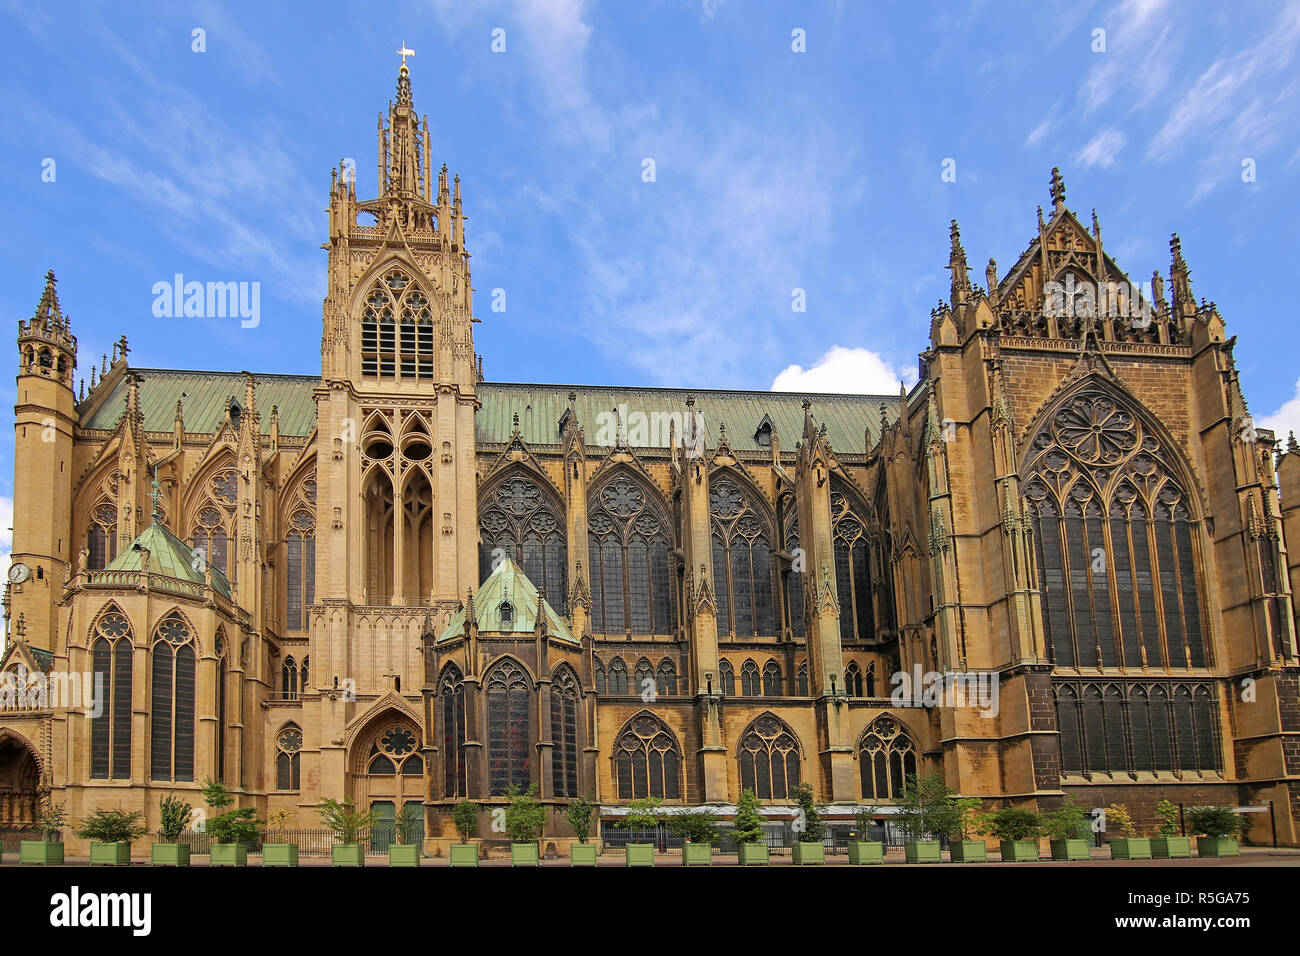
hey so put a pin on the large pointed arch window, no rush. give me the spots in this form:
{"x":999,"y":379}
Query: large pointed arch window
{"x":769,"y":759}
{"x":451,"y":695}
{"x":647,"y":760}
{"x":886,"y":758}
{"x":522,"y":522}
{"x":564,"y":733}
{"x":852,"y":570}
{"x":110,"y":732}
{"x":742,"y":561}
{"x":630,"y":548}
{"x":300,"y":558}
{"x":1117,"y":545}
{"x":794,"y":575}
{"x":509,"y":692}
{"x":213,"y":525}
{"x":397,"y":330}
{"x":288,"y":765}
{"x":171,"y":735}
{"x":101,"y":537}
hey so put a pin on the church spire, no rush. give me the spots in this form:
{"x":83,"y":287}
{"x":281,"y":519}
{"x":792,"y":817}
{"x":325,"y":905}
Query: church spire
{"x":403,"y":156}
{"x":1057,"y":191}
{"x":957,"y":263}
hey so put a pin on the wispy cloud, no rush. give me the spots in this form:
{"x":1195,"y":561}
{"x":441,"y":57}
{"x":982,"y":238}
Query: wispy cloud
{"x":1102,"y":149}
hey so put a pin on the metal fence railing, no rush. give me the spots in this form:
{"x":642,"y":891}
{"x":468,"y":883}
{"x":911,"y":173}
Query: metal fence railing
{"x":780,"y":837}
{"x":12,"y":837}
{"x":309,"y":842}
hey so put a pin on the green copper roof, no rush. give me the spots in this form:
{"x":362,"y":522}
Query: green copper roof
{"x":644,"y":412}
{"x":507,"y":584}
{"x":168,"y":555}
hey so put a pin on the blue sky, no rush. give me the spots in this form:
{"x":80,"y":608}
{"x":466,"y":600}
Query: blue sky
{"x":775,"y":170}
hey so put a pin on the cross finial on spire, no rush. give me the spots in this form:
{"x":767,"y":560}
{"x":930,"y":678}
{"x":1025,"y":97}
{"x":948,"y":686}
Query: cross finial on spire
{"x":404,"y":52}
{"x":1058,"y":190}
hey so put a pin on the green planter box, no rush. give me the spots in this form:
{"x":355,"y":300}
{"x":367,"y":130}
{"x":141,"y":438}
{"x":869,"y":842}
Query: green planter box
{"x":640,"y":854}
{"x":348,"y":854}
{"x":808,"y":854}
{"x":523,"y":854}
{"x":110,"y":854}
{"x":403,"y":854}
{"x":1171,"y":847}
{"x":229,"y":854}
{"x":170,"y":854}
{"x":1019,"y":851}
{"x":862,"y":852}
{"x":582,"y":854}
{"x":1132,"y":848}
{"x":697,"y":854}
{"x":968,"y":851}
{"x":1217,"y":846}
{"x":279,"y":854}
{"x":464,"y":854}
{"x":922,"y":851}
{"x":1070,"y":850}
{"x":752,"y":854}
{"x":46,"y":852}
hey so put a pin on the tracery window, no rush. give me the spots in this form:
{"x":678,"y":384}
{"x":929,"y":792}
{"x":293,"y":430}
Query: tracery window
{"x":1117,"y":546}
{"x":852,"y":571}
{"x":647,"y":761}
{"x":751,"y":684}
{"x":288,"y":747}
{"x":394,"y":753}
{"x":289,"y":679}
{"x":214,"y":524}
{"x":769,"y":759}
{"x":771,"y":679}
{"x":666,"y":678}
{"x":521,"y":522}
{"x":101,"y":537}
{"x":300,"y":558}
{"x":509,"y":730}
{"x":397,"y":330}
{"x":110,"y":732}
{"x":794,"y":579}
{"x":742,"y":561}
{"x":644,"y":679}
{"x":172,"y":716}
{"x":564,"y":734}
{"x":727,"y":676}
{"x":886,"y":758}
{"x":802,"y":679}
{"x":630,"y":550}
{"x":616,"y":678}
{"x":853,"y":680}
{"x":451,"y":691}
{"x":1138,"y":726}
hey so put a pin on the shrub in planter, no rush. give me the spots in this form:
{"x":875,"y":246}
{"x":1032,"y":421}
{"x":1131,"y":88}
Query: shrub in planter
{"x":525,"y":818}
{"x":927,"y":807}
{"x":174,"y":815}
{"x":642,"y":814}
{"x":1017,"y":831}
{"x":231,"y":832}
{"x":699,"y":829}
{"x":862,"y":850}
{"x":464,"y":816}
{"x":750,"y":838}
{"x":1062,"y":827}
{"x":345,"y":822}
{"x":53,"y":817}
{"x":808,"y":828}
{"x":410,"y":833}
{"x":1127,"y":846}
{"x":1217,"y":830}
{"x":111,"y":833}
{"x":1170,"y":844}
{"x":970,"y":823}
{"x":279,"y":854}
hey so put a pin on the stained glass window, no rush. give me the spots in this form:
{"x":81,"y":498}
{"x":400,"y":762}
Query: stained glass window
{"x":564,"y":734}
{"x":451,"y":692}
{"x":886,"y":758}
{"x":288,"y":744}
{"x":742,"y":561}
{"x":110,"y":732}
{"x":509,"y":730}
{"x":769,"y":759}
{"x":629,"y":544}
{"x":101,"y":538}
{"x":647,"y":760}
{"x":522,"y":522}
{"x":172,"y":716}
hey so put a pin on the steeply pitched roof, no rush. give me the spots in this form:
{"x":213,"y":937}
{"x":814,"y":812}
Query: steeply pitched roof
{"x":507,"y":584}
{"x":644,"y":412}
{"x":168,"y":555}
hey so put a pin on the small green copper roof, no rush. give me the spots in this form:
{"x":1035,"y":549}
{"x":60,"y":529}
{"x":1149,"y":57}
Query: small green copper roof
{"x":508,"y":584}
{"x":168,"y":555}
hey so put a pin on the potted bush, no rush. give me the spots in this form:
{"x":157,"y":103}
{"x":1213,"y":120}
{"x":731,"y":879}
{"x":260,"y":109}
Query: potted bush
{"x":699,"y":830}
{"x":863,"y":851}
{"x":1017,"y":832}
{"x":465,"y":817}
{"x":751,"y":839}
{"x":809,"y":831}
{"x":1062,"y":827}
{"x":53,"y":818}
{"x":642,"y":814}
{"x":230,"y":832}
{"x":579,"y":813}
{"x":1130,"y":846}
{"x":525,"y":818}
{"x":1218,"y":830}
{"x":111,"y":833}
{"x":924,"y":809}
{"x":410,"y":834}
{"x":969,"y":822}
{"x":1171,"y":844}
{"x":174,"y":815}
{"x":279,"y":854}
{"x":343,"y":820}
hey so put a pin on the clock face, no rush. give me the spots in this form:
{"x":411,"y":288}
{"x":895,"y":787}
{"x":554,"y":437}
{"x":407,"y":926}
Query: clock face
{"x":19,"y":572}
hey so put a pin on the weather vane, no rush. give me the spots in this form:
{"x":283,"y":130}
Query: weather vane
{"x":404,"y":53}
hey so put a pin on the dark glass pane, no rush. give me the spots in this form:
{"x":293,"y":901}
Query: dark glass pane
{"x":1169,"y":591}
{"x":1094,"y":737}
{"x":638,"y":582}
{"x":742,"y":587}
{"x":721,"y":587}
{"x":661,"y":589}
{"x":611,"y":560}
{"x":1146,"y":594}
{"x":862,"y":591}
{"x":185,"y":712}
{"x":122,"y":664}
{"x":597,"y":588}
{"x":1123,"y":570}
{"x":1099,"y":569}
{"x":101,"y":726}
{"x":1161,"y":730}
{"x":1185,"y":730}
{"x":1116,"y":748}
{"x":1052,"y":576}
{"x":293,"y":570}
{"x":764,"y":619}
{"x":1207,"y":730}
{"x":844,"y":589}
{"x":160,"y":730}
{"x":1076,"y":547}
{"x":1067,"y":720}
{"x":1196,"y":643}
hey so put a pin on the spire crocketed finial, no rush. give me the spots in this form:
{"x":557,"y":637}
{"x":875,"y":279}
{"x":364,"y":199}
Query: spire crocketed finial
{"x":1058,"y":190}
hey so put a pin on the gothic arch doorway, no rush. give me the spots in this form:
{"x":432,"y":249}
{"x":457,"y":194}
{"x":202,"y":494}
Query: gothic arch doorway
{"x":388,"y":779}
{"x":20,"y":777}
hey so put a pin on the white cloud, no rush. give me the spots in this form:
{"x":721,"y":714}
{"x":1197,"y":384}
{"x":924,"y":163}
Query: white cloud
{"x":1102,"y":149}
{"x":848,"y":371}
{"x":1286,"y":419}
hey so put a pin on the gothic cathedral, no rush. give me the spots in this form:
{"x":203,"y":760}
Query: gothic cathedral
{"x":401,"y":584}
